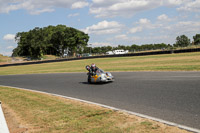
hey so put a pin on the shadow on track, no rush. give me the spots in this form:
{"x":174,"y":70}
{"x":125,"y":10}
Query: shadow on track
{"x":86,"y":83}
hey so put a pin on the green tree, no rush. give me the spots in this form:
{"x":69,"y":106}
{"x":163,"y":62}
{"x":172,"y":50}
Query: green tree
{"x":109,"y":48}
{"x":96,"y":50}
{"x":134,"y":48}
{"x":196,"y":39}
{"x":182,"y":41}
{"x":50,"y":40}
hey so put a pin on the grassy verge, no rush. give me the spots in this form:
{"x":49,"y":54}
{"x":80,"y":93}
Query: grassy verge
{"x":35,"y":112}
{"x":168,"y":62}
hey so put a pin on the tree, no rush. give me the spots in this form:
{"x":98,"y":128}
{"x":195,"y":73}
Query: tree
{"x":182,"y":41}
{"x":109,"y":48}
{"x":196,"y":39}
{"x":97,"y":50}
{"x":121,"y":47}
{"x":134,"y":48}
{"x":50,"y":40}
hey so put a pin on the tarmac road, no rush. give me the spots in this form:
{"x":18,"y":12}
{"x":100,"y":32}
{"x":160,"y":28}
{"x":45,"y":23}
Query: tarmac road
{"x":171,"y":96}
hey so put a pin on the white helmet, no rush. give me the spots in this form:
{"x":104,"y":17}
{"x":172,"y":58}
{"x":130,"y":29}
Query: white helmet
{"x":93,"y":66}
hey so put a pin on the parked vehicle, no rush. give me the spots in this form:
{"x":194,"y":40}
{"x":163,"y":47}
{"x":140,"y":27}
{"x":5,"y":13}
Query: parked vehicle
{"x":119,"y":51}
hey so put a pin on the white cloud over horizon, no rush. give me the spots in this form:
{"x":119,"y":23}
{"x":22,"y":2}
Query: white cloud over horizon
{"x":38,"y":6}
{"x":79,"y":4}
{"x":124,"y":8}
{"x":100,"y":8}
{"x":192,"y":6}
{"x":10,"y":47}
{"x":121,"y":37}
{"x":104,"y":27}
{"x":102,"y":44}
{"x":73,"y":15}
{"x":128,"y":8}
{"x":9,"y":37}
{"x":163,"y":17}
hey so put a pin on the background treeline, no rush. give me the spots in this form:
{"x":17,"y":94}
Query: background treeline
{"x":181,"y":41}
{"x":132,"y":48}
{"x":51,"y":40}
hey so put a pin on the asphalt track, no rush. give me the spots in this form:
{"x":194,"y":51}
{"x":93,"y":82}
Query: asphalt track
{"x":171,"y":96}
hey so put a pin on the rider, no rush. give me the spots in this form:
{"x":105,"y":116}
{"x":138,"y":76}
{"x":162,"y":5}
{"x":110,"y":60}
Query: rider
{"x":93,"y":69}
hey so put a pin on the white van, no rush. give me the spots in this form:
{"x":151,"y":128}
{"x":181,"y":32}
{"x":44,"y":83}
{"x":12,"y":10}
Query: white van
{"x":120,"y":51}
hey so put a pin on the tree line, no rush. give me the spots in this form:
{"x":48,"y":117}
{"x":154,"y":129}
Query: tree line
{"x":60,"y":40}
{"x":132,"y":48}
{"x":181,"y":41}
{"x":51,"y":40}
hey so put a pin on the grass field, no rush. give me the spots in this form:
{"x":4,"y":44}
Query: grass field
{"x":168,"y":62}
{"x":42,"y":113}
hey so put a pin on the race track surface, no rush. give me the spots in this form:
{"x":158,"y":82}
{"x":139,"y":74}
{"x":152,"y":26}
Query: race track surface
{"x":171,"y":96}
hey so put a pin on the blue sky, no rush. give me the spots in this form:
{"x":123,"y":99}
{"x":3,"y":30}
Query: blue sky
{"x":108,"y":22}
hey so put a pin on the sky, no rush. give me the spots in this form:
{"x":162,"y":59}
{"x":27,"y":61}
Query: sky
{"x":107,"y":22}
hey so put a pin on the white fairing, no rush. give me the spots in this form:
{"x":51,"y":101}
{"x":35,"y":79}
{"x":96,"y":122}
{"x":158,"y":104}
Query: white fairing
{"x":101,"y":76}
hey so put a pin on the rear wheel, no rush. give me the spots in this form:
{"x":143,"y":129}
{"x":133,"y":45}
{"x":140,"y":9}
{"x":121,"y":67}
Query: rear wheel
{"x":89,"y":79}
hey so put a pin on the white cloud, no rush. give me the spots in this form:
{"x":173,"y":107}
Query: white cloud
{"x":101,"y":44}
{"x":163,"y":17}
{"x":144,"y":21}
{"x":37,"y":12}
{"x":141,"y":25}
{"x":157,"y":39}
{"x":79,"y":4}
{"x":136,"y":29}
{"x":125,"y":8}
{"x":128,"y":8}
{"x":9,"y":37}
{"x":38,"y":6}
{"x":169,"y":31}
{"x":131,"y":4}
{"x":100,"y":8}
{"x":10,"y":47}
{"x":125,"y":37}
{"x":185,"y":23}
{"x":186,"y":27}
{"x":104,"y":3}
{"x":172,"y":2}
{"x":104,"y":27}
{"x":135,"y":38}
{"x":121,"y":37}
{"x":73,"y":15}
{"x":184,"y":5}
{"x":192,"y":6}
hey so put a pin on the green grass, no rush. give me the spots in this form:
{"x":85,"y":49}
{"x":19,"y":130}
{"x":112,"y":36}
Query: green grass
{"x":168,"y":62}
{"x":50,"y":57}
{"x":45,"y":114}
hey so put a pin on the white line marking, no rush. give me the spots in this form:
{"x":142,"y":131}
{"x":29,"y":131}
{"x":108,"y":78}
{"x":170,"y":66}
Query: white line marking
{"x":116,"y":109}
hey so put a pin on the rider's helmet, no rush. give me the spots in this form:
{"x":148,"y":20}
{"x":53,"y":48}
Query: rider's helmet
{"x":93,"y":66}
{"x":88,"y":67}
